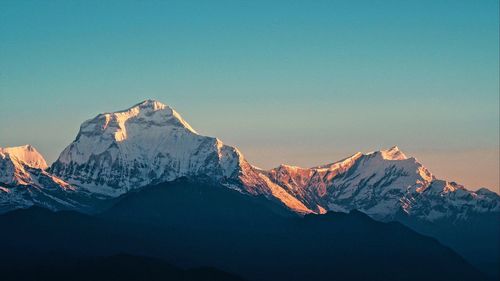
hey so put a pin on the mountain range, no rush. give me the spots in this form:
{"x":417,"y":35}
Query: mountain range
{"x":151,"y":143}
{"x":121,"y":153}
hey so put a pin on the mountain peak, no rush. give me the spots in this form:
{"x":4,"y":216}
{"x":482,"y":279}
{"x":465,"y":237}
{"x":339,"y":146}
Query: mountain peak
{"x":27,"y":155}
{"x":141,"y":129}
{"x":143,"y":117}
{"x":151,"y":104}
{"x":147,"y":143}
{"x":393,"y":153}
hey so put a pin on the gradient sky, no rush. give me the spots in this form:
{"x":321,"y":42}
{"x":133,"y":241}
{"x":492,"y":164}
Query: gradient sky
{"x":297,"y":82}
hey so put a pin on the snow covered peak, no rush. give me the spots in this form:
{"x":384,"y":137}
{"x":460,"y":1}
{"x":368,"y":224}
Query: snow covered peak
{"x":147,"y":143}
{"x":392,"y":153}
{"x":27,"y":155}
{"x":24,"y":182}
{"x":149,"y":112}
{"x":382,"y":184}
{"x":139,"y":129}
{"x":151,"y":104}
{"x":24,"y":165}
{"x":150,"y":143}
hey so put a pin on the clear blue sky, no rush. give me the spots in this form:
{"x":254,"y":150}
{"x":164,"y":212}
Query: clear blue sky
{"x":301,"y":82}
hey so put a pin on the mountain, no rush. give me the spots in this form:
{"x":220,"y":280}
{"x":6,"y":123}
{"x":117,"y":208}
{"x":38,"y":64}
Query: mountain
{"x":191,"y":224}
{"x":383,"y":184}
{"x":389,"y":186}
{"x":120,"y":153}
{"x":475,"y":238}
{"x":24,"y":182}
{"x":17,"y":162}
{"x":26,"y":154}
{"x":150,"y":143}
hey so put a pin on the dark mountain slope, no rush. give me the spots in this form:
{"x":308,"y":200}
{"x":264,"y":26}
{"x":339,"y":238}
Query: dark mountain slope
{"x":217,"y":210}
{"x":194,"y":224}
{"x":111,"y":268}
{"x":477,"y":238}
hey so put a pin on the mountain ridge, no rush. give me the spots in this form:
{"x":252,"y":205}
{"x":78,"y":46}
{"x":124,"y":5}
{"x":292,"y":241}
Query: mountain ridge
{"x":149,"y":143}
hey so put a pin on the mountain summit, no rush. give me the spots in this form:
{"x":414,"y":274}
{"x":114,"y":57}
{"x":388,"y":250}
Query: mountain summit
{"x":147,"y":143}
{"x":21,"y":165}
{"x":393,"y":153}
{"x":27,"y":155}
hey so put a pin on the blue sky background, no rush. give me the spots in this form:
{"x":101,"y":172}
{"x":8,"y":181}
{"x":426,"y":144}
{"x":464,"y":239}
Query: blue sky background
{"x":299,"y":82}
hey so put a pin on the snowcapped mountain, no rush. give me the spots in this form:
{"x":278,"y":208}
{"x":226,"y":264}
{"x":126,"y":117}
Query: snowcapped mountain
{"x":151,"y":143}
{"x":24,"y":182}
{"x":147,"y":143}
{"x":15,"y":164}
{"x":26,"y":154}
{"x":382,"y":184}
